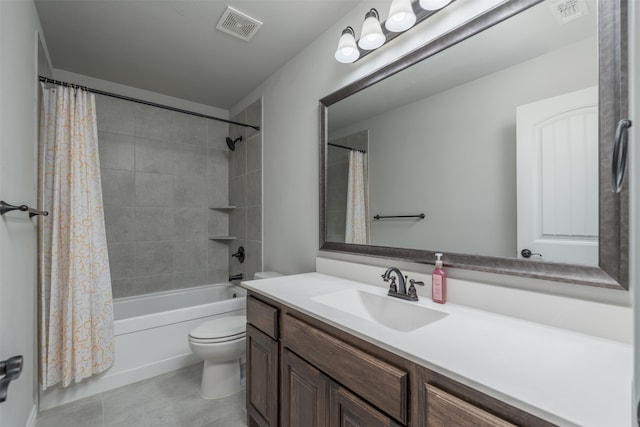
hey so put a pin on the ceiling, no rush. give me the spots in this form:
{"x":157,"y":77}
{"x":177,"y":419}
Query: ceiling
{"x":172,"y":47}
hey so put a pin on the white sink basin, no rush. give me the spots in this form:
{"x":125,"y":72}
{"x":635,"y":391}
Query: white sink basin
{"x":403,"y":316}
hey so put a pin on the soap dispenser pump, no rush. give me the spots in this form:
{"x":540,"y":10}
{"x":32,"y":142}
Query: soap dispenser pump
{"x":439,"y":282}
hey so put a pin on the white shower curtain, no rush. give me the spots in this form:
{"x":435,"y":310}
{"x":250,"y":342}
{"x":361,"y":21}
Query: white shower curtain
{"x":76,"y":301}
{"x":356,"y":230}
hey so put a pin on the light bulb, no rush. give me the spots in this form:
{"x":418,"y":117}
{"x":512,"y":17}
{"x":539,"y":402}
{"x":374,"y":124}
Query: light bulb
{"x":371,"y":36}
{"x":401,"y":16}
{"x":433,"y":4}
{"x":347,"y":51}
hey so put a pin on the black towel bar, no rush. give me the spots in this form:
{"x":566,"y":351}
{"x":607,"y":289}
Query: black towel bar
{"x":7,"y":207}
{"x":421,"y":216}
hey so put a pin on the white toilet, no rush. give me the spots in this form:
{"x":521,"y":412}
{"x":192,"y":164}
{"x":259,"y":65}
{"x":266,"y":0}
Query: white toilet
{"x":221,"y":342}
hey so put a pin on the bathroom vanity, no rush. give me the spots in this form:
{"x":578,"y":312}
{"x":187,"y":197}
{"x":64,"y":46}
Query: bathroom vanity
{"x":326,"y":351}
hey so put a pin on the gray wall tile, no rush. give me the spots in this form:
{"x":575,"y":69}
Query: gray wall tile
{"x":218,"y":255}
{"x":190,"y":160}
{"x":190,"y":223}
{"x":115,"y":115}
{"x":254,"y":153}
{"x":119,"y":224}
{"x":254,"y":257}
{"x":191,"y":278}
{"x":239,"y":159}
{"x":254,"y":117}
{"x":161,"y":171}
{"x":122,"y":288}
{"x":190,"y":256}
{"x":154,"y":224}
{"x":116,"y":150}
{"x":154,"y":156}
{"x":153,"y":258}
{"x":254,"y":188}
{"x":218,"y":221}
{"x":190,"y":129}
{"x":154,"y":123}
{"x":254,"y":223}
{"x":117,"y":187}
{"x":154,"y":189}
{"x":151,"y":284}
{"x":238,"y":223}
{"x":216,"y":134}
{"x":238,"y":191}
{"x":190,"y":191}
{"x":121,"y":260}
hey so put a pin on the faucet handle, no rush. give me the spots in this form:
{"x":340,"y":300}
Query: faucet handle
{"x":416,"y":282}
{"x":393,"y":287}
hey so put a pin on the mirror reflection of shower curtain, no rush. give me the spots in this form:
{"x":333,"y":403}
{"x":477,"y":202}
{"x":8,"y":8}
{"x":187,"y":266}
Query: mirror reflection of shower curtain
{"x":76,"y":311}
{"x":356,"y":229}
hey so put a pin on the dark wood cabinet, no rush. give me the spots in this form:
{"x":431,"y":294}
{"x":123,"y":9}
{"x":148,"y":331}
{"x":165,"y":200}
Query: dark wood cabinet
{"x":262,"y":378}
{"x":302,"y":372}
{"x":305,"y":393}
{"x":347,"y":410}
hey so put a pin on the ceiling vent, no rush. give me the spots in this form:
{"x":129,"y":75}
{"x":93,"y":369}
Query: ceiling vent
{"x":568,"y":10}
{"x":238,"y":24}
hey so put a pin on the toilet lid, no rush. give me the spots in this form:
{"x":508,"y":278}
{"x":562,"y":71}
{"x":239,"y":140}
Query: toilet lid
{"x":224,"y":326}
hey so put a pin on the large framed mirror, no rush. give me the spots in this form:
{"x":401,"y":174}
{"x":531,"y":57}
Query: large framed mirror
{"x":492,"y":144}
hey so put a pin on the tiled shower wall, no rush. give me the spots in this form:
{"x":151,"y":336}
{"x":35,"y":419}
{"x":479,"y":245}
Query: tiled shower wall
{"x":160,"y":173}
{"x":245,"y":192}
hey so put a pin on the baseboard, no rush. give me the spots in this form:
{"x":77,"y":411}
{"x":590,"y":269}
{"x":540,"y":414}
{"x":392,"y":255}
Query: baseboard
{"x":33,"y":417}
{"x":92,"y":386}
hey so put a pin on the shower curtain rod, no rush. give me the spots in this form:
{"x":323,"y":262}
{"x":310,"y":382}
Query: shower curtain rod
{"x":140,"y":101}
{"x":345,"y":147}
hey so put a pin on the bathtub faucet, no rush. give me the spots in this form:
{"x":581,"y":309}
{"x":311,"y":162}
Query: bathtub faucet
{"x":235,"y":277}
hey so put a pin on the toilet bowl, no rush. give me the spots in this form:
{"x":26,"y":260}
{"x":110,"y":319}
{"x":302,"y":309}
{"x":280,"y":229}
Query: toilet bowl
{"x":221,"y":343}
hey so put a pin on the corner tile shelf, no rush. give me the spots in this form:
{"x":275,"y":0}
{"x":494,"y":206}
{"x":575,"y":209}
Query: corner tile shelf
{"x":222,"y":238}
{"x":222,"y":208}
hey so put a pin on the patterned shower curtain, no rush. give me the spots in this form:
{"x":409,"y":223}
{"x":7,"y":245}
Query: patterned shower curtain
{"x":76,"y":306}
{"x":356,"y":230}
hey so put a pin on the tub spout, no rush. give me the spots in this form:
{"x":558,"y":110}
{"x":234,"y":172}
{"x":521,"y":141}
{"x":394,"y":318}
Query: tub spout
{"x":235,"y":277}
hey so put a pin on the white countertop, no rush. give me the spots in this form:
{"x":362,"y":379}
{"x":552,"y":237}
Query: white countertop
{"x":561,"y":376}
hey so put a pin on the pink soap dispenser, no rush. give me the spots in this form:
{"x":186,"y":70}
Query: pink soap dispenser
{"x":439,"y":282}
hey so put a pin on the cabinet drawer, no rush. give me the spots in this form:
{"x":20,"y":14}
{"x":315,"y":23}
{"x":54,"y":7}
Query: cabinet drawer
{"x":263,"y":316}
{"x":444,"y":409}
{"x":381,"y":384}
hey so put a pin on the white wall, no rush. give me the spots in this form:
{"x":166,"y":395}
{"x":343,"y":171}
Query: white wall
{"x":19,"y":25}
{"x":431,"y":147}
{"x":291,"y":146}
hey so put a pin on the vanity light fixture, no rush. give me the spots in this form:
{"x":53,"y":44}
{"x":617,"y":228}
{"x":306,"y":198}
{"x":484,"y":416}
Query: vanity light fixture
{"x":372,"y":36}
{"x":433,"y":4}
{"x":347,"y":51}
{"x":403,"y":14}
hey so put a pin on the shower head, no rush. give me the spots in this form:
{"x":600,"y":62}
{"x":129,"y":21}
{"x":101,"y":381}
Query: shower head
{"x":231,"y":143}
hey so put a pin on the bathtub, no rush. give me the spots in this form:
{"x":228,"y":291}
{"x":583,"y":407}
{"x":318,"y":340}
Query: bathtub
{"x":151,"y":337}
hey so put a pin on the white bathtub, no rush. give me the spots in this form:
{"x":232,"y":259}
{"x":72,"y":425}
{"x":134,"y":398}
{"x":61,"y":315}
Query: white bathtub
{"x":151,"y":337}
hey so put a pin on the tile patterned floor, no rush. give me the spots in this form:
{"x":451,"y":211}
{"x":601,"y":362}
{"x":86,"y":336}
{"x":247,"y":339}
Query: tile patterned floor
{"x":169,"y":400}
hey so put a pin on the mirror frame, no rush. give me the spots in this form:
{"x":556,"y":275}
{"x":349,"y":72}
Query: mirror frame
{"x":613,"y":269}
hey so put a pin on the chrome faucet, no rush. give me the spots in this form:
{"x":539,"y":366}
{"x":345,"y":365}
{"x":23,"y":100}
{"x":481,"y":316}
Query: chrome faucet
{"x":400,"y":290}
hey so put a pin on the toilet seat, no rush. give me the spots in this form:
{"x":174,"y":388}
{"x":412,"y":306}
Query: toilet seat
{"x":222,"y":329}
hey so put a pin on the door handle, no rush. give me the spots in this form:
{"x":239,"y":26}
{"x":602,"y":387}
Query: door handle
{"x":10,"y":370}
{"x":619,"y":161}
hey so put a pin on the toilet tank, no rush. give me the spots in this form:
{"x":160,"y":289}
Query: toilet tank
{"x":266,"y":274}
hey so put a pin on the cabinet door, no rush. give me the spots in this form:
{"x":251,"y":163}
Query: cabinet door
{"x":444,"y":410}
{"x":262,"y":378}
{"x":347,"y":410}
{"x":305,"y":392}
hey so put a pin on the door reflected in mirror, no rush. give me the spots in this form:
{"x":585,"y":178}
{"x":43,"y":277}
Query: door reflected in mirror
{"x":494,"y":139}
